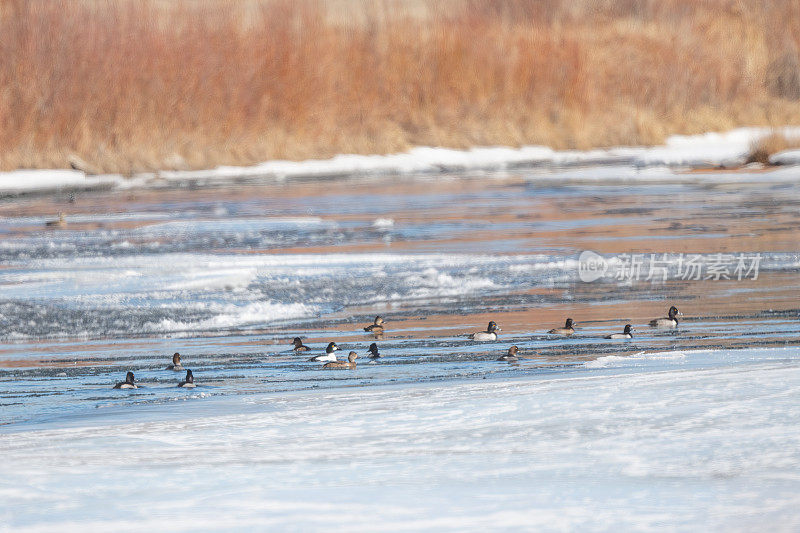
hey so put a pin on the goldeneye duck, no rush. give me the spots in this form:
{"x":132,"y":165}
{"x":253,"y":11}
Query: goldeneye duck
{"x":376,"y":326}
{"x":188,"y":382}
{"x":373,"y":351}
{"x":568,"y":328}
{"x":176,"y":363}
{"x":510,"y":356}
{"x":329,"y":355}
{"x":489,"y":335}
{"x":341,"y":365}
{"x":299,"y":346}
{"x":128,"y":383}
{"x":627,"y":333}
{"x":670,"y":321}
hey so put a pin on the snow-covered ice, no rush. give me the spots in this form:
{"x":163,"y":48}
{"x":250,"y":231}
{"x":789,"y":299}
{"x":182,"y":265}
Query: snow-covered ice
{"x":691,"y":441}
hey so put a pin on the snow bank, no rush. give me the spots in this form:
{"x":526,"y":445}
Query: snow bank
{"x":786,"y":157}
{"x":708,"y":150}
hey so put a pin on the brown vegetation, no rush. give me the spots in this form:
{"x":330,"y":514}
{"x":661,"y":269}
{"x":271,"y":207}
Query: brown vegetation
{"x":763,"y":148}
{"x":128,"y":85}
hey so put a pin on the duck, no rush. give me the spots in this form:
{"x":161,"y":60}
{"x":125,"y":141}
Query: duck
{"x":373,"y":351}
{"x":376,"y":326}
{"x":627,"y":333}
{"x":128,"y":383}
{"x":328,"y":356}
{"x":188,"y":382}
{"x":489,"y":335}
{"x":299,"y":346}
{"x":568,"y":328}
{"x":176,"y":363}
{"x":669,"y":322}
{"x":341,"y":365}
{"x":61,"y":222}
{"x":510,"y":356}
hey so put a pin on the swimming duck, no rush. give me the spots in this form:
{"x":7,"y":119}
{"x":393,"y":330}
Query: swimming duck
{"x":489,"y":335}
{"x":568,"y":328}
{"x":341,"y":365}
{"x":188,"y":383}
{"x":128,"y":383}
{"x":329,"y":355}
{"x":669,"y":322}
{"x":373,"y":351}
{"x":299,"y":346}
{"x":627,"y":333}
{"x":510,"y":356}
{"x":176,"y":363}
{"x":376,"y":326}
{"x":60,"y":223}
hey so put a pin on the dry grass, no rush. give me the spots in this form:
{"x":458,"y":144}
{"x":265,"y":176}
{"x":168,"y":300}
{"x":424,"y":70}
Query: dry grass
{"x":128,"y":85}
{"x":764,"y":147}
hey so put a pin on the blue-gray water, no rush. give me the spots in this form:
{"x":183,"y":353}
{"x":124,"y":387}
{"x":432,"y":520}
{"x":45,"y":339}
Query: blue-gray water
{"x":228,"y":276}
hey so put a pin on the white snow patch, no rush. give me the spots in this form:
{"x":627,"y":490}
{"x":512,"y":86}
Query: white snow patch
{"x":710,"y":149}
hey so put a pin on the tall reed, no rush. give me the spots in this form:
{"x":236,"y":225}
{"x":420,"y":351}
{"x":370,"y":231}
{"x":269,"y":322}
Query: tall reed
{"x":135,"y":85}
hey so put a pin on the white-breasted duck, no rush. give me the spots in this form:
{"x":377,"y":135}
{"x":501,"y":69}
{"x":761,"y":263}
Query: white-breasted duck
{"x":510,"y":356}
{"x":489,"y":335}
{"x":376,"y":326}
{"x":627,"y":333}
{"x":329,"y":354}
{"x":342,"y":365}
{"x":128,"y":383}
{"x":176,"y":363}
{"x":373,"y":351}
{"x":188,"y":382}
{"x":299,"y":346}
{"x":670,"y":321}
{"x":568,"y":329}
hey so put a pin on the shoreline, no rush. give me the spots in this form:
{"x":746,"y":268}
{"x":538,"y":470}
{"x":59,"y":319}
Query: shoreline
{"x":702,"y":157}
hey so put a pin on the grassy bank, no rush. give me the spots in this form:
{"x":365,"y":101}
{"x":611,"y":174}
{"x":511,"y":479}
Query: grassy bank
{"x":130,"y":86}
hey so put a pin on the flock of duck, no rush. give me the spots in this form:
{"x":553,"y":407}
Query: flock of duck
{"x":377,"y":328}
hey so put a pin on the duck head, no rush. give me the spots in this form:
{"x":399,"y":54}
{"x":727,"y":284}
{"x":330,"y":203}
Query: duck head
{"x":492,"y":327}
{"x":331,"y":348}
{"x":176,"y":359}
{"x":373,"y":348}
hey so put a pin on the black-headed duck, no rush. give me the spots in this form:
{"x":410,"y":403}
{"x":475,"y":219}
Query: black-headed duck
{"x":128,"y":383}
{"x":329,"y":354}
{"x":669,"y":322}
{"x":341,"y":365}
{"x":627,"y":333}
{"x":376,"y":326}
{"x":510,"y":356}
{"x":373,"y":351}
{"x":568,"y":329}
{"x":188,"y":382}
{"x":489,"y":335}
{"x":299,"y":346}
